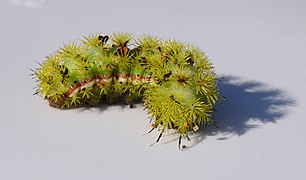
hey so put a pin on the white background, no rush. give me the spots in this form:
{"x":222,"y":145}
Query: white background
{"x":258,"y":46}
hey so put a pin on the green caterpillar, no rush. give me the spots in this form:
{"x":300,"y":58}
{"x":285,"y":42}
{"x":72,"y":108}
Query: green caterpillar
{"x":175,"y":81}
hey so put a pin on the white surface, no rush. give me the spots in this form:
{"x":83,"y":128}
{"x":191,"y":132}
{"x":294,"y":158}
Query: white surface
{"x":259,"y":46}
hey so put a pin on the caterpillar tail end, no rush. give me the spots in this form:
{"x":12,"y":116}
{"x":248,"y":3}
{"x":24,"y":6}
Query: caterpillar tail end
{"x":56,"y":103}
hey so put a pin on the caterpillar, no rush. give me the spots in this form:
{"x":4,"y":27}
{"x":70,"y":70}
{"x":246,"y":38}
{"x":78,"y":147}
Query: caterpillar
{"x":175,"y":81}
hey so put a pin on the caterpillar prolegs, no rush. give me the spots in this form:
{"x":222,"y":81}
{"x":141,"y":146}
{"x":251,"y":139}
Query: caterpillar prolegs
{"x":175,"y":80}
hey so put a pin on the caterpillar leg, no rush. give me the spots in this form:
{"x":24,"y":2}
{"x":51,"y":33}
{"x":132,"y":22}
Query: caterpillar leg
{"x":151,"y":130}
{"x":180,"y":145}
{"x":157,"y":140}
{"x":93,"y":102}
{"x":129,"y":101}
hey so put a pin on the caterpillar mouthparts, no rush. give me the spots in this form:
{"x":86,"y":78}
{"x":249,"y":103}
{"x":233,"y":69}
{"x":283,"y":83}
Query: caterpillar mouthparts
{"x":175,"y":80}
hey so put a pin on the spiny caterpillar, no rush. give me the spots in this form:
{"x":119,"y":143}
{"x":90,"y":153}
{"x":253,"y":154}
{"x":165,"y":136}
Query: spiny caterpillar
{"x":174,"y":80}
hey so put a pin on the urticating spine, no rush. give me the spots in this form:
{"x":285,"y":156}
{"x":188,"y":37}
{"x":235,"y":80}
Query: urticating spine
{"x":175,"y":80}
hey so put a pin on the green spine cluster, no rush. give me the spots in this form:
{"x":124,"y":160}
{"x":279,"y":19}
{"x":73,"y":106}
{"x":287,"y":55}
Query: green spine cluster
{"x":175,"y":80}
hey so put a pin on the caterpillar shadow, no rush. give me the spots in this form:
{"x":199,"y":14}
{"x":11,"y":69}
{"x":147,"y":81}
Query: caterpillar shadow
{"x":248,"y":105}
